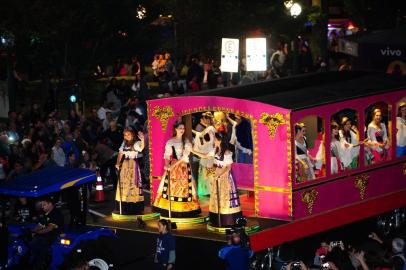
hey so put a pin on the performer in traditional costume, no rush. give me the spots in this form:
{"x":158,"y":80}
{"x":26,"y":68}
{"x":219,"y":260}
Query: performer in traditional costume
{"x":241,"y":138}
{"x":228,"y":202}
{"x":304,"y":165}
{"x":349,"y":140}
{"x":129,"y":193}
{"x":336,"y":149}
{"x":401,"y":131}
{"x":378,"y":137}
{"x":177,"y":183}
{"x":204,"y":143}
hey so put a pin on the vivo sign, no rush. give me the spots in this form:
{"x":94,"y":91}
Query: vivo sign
{"x":389,"y":52}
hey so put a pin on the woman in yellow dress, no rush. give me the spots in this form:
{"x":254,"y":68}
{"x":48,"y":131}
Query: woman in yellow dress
{"x":223,"y":184}
{"x":129,"y":193}
{"x":177,"y":183}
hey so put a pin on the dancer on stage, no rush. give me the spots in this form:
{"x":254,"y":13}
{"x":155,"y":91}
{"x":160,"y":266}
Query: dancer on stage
{"x":177,"y":182}
{"x":129,"y":194}
{"x":229,"y":201}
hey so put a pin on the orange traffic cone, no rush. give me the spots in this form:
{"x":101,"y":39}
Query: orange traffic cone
{"x":99,"y":188}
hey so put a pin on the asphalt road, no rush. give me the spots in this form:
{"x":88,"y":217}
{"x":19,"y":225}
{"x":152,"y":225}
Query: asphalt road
{"x":135,"y":251}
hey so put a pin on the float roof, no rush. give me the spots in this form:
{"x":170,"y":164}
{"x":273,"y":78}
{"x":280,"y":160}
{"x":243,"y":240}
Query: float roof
{"x":306,"y":91}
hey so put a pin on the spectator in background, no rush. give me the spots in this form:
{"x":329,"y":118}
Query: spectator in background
{"x":18,"y":169}
{"x":69,"y":146}
{"x":278,"y":60}
{"x":161,"y":64}
{"x":106,"y":159}
{"x":155,"y":65}
{"x":193,"y":85}
{"x":135,"y":66}
{"x":114,"y":135}
{"x":196,"y":74}
{"x":74,"y":119}
{"x":101,"y":112}
{"x":305,"y":58}
{"x":140,"y":88}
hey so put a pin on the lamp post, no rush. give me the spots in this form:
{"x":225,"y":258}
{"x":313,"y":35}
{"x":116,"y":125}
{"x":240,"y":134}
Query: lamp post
{"x":295,"y":9}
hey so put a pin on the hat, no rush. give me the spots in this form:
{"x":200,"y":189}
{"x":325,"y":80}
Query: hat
{"x":398,"y":245}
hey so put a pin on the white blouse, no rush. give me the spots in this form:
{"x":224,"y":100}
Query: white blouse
{"x":350,"y":152}
{"x":371,"y":135}
{"x":130,"y":152}
{"x":227,"y":160}
{"x":182,"y":151}
{"x":401,"y":132}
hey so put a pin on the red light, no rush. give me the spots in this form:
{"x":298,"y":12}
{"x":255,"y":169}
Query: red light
{"x":350,"y":26}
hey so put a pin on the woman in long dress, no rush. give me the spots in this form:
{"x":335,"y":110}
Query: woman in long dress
{"x":336,"y":150}
{"x":349,"y":140}
{"x":129,"y":193}
{"x":304,"y":165}
{"x":223,"y":184}
{"x":177,"y":183}
{"x":401,"y":131}
{"x":378,"y":137}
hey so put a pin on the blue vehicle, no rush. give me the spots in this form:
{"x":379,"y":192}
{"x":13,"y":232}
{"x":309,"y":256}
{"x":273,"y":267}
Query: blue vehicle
{"x":89,"y":243}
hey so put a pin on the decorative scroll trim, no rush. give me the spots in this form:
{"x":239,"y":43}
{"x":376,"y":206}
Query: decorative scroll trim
{"x":361,"y":182}
{"x":272,"y":121}
{"x":163,"y":114}
{"x":309,"y":197}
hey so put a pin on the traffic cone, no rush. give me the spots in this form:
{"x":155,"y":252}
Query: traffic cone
{"x":99,"y":188}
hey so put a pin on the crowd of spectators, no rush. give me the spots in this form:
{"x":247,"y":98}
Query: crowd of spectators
{"x":372,"y":253}
{"x":33,"y":138}
{"x":191,"y":73}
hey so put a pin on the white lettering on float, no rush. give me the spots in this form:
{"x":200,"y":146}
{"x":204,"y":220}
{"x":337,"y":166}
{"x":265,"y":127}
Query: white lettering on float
{"x":389,"y":52}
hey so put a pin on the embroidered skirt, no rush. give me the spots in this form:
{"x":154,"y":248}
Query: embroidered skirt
{"x":229,"y":201}
{"x":130,"y":183}
{"x":178,"y":186}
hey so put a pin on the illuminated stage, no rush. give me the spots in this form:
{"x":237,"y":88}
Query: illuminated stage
{"x":194,"y":229}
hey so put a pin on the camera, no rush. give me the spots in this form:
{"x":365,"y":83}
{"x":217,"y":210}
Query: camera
{"x":296,"y":266}
{"x":337,"y":244}
{"x":238,"y":228}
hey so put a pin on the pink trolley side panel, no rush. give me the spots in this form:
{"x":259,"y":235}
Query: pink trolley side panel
{"x":337,"y":190}
{"x":350,"y":190}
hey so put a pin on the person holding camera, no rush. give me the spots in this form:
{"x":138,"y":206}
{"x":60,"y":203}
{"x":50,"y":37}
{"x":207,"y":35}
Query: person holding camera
{"x":235,"y":254}
{"x":299,"y":265}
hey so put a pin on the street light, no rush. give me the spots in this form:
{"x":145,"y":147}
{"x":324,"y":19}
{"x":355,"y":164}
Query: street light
{"x":141,"y":12}
{"x":295,"y":10}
